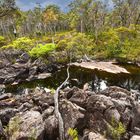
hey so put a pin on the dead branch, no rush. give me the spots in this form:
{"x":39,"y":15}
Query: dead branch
{"x":57,"y":112}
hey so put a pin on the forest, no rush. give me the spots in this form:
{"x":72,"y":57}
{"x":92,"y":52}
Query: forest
{"x":70,"y":72}
{"x":88,"y":27}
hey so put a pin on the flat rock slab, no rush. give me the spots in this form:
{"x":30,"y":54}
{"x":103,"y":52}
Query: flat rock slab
{"x":103,"y":66}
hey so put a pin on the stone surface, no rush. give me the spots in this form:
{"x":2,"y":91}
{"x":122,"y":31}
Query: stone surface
{"x":73,"y":115}
{"x":135,"y":137}
{"x":5,"y":96}
{"x":51,"y":128}
{"x":103,"y":66}
{"x":7,"y":114}
{"x":80,"y":109}
{"x":28,"y":125}
{"x":2,"y":133}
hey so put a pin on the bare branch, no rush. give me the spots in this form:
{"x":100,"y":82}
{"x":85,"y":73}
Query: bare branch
{"x":57,"y":112}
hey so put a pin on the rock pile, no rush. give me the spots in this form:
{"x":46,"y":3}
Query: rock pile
{"x":112,"y":114}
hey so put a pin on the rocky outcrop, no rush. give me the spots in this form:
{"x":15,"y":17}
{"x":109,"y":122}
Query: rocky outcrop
{"x":113,"y":113}
{"x":27,"y":125}
{"x":2,"y":133}
{"x":17,"y":66}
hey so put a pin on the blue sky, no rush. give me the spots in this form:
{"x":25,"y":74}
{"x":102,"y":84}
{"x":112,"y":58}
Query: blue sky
{"x":30,"y":4}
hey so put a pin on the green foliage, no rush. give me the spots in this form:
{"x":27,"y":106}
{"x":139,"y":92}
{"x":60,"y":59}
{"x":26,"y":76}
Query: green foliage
{"x":73,"y":133}
{"x":62,"y":44}
{"x":22,"y":43}
{"x":41,"y":50}
{"x":2,"y":41}
{"x":75,"y":44}
{"x":122,"y":43}
{"x":117,"y":129}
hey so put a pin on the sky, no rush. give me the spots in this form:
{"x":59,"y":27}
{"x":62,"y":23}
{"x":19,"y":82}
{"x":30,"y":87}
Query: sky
{"x":30,"y":4}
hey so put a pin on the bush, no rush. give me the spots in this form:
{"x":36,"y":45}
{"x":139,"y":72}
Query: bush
{"x":73,"y":133}
{"x":122,"y":43}
{"x":41,"y":50}
{"x":22,"y":43}
{"x":2,"y":41}
{"x":117,"y":130}
{"x":62,"y":44}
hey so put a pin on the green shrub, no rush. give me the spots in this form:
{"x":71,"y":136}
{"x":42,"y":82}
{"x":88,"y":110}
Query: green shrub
{"x":73,"y":133}
{"x":62,"y":44}
{"x":116,"y":130}
{"x":41,"y":50}
{"x":22,"y":43}
{"x":2,"y":41}
{"x":122,"y":43}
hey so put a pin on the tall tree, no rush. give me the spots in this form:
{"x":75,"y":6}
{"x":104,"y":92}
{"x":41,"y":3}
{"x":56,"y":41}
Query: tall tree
{"x":6,"y":7}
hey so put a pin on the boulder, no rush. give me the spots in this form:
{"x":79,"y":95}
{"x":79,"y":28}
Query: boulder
{"x":135,"y":137}
{"x":73,"y":116}
{"x":95,"y":136}
{"x":136,"y":117}
{"x":7,"y":114}
{"x":49,"y":111}
{"x":99,"y":103}
{"x":28,"y":125}
{"x":51,"y":128}
{"x":116,"y":92}
{"x":2,"y":133}
{"x":77,"y":96}
{"x":5,"y":96}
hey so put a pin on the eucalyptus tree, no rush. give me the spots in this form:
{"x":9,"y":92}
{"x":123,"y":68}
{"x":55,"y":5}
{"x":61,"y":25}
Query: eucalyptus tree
{"x":126,"y":12}
{"x":6,"y":7}
{"x":88,"y":15}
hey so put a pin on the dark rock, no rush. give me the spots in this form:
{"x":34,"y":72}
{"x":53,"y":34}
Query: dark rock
{"x":23,"y":58}
{"x":7,"y":114}
{"x":73,"y":116}
{"x":116,"y":92}
{"x":136,"y":117}
{"x":33,"y":70}
{"x":24,"y":107}
{"x":112,"y":114}
{"x":99,"y":103}
{"x":5,"y":96}
{"x":77,"y":96}
{"x":74,"y":82}
{"x":2,"y":133}
{"x":48,"y":112}
{"x":51,"y":128}
{"x":30,"y":126}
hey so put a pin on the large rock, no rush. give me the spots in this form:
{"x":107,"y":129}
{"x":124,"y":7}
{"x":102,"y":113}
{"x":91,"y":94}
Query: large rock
{"x":2,"y":133}
{"x":5,"y":96}
{"x":73,"y":116}
{"x":7,"y":114}
{"x":25,"y":126}
{"x":113,"y":104}
{"x":136,"y":117}
{"x":135,"y":137}
{"x":95,"y":136}
{"x":77,"y":96}
{"x":51,"y":128}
